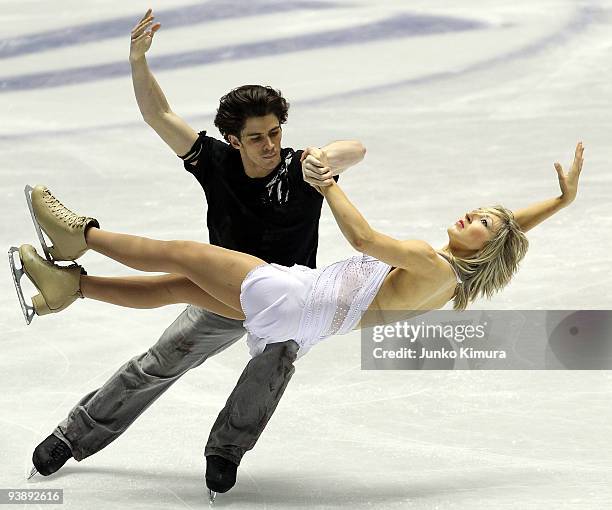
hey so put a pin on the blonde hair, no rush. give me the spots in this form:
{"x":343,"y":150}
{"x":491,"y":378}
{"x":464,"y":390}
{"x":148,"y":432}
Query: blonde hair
{"x":492,"y":268}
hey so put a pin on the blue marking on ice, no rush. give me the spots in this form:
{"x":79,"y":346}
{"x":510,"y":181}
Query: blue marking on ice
{"x":183,"y":16}
{"x":401,"y":26}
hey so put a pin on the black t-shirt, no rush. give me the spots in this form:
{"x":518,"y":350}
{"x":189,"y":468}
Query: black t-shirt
{"x":275,"y":218}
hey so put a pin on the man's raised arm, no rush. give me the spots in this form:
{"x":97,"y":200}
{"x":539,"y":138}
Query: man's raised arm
{"x":151,"y":100}
{"x":344,"y":154}
{"x":339,"y":156}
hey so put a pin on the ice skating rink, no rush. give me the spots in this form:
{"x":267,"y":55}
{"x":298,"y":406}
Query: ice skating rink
{"x":460,"y":104}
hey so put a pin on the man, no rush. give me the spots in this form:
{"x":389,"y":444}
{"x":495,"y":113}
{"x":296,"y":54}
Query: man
{"x":261,"y":202}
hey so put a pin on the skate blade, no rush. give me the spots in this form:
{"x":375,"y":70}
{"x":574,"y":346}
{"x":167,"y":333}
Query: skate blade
{"x":28,"y":311}
{"x":28,"y":194}
{"x":211,"y":497}
{"x":33,"y":472}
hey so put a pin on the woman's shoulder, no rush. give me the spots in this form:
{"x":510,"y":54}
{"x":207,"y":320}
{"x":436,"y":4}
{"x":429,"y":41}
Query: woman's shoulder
{"x":445,"y":266}
{"x":438,"y":274}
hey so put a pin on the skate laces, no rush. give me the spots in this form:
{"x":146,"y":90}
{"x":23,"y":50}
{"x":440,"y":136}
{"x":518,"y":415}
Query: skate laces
{"x":64,"y":214}
{"x":59,"y":451}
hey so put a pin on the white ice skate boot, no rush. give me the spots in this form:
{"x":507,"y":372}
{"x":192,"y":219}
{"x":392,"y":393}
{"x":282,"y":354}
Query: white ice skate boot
{"x":65,"y":228}
{"x":58,"y":287}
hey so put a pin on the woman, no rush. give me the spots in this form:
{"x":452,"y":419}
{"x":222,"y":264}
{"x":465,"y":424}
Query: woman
{"x":279,"y":303}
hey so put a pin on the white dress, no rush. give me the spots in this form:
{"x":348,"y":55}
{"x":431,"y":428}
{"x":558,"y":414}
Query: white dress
{"x":308,"y":305}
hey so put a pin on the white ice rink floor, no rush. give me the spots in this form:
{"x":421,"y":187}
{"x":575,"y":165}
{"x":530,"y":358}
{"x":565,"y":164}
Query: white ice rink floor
{"x":460,"y":104}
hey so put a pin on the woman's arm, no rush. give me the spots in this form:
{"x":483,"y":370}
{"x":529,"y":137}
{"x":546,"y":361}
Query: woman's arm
{"x":414,"y":254}
{"x":353,"y":225}
{"x":530,"y":216}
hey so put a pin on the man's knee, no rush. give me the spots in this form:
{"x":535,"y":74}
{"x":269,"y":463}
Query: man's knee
{"x":172,"y":354}
{"x":188,"y":342}
{"x":261,"y":387}
{"x":290,"y":351}
{"x":285,"y":353}
{"x":169,"y":358}
{"x":268,"y":373}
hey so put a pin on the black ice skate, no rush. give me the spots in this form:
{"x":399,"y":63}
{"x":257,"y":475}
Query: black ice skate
{"x":220,"y":475}
{"x":49,"y":456}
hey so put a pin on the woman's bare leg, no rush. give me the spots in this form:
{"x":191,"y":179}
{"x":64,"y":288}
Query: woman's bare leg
{"x":153,"y":292}
{"x":218,"y":271}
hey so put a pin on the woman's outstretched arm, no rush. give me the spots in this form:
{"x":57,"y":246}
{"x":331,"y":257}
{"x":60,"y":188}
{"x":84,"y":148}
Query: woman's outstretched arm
{"x":413,"y":254}
{"x":535,"y":214}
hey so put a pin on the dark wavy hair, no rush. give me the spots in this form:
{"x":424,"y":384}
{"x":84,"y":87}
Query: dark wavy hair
{"x":238,"y":105}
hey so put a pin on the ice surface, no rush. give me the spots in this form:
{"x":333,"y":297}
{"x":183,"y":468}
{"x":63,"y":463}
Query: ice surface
{"x":460,"y":104}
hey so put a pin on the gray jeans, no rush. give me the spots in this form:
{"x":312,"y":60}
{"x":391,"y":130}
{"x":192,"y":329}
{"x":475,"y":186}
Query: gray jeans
{"x":104,"y":414}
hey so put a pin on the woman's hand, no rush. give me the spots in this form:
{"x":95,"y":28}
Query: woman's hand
{"x":141,"y":38}
{"x":569,"y":182}
{"x":315,"y":168}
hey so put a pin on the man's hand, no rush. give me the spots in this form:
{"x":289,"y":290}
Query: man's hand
{"x":315,"y":168}
{"x":569,"y":182}
{"x":142,"y":36}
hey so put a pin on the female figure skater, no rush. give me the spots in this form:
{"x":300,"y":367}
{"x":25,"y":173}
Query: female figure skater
{"x":279,"y":303}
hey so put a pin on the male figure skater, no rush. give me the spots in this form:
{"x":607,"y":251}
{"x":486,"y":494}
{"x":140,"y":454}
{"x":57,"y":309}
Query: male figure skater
{"x":261,"y":202}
